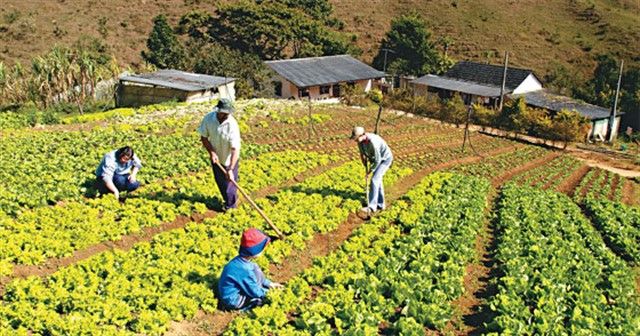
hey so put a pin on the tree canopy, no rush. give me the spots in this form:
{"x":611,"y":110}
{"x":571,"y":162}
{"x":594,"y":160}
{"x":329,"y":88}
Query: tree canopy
{"x":165,"y":51}
{"x":411,"y":50}
{"x":279,"y":29}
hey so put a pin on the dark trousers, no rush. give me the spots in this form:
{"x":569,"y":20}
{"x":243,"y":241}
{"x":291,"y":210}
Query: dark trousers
{"x":227,"y":189}
{"x":120,"y":181}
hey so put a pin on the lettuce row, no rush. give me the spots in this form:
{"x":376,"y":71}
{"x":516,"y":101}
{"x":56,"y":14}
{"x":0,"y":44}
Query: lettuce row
{"x":558,"y":275}
{"x":174,"y":275}
{"x":49,"y":232}
{"x":398,"y":272}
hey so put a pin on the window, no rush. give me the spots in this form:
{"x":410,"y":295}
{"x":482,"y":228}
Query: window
{"x":336,"y":90}
{"x":324,"y":89}
{"x":303,"y":92}
{"x":277,"y":88}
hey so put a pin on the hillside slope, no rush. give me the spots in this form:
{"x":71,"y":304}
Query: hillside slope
{"x":537,"y":34}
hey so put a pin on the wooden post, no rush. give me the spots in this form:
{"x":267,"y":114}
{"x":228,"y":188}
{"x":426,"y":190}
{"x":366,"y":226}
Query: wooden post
{"x":378,"y":118}
{"x":504,"y":80}
{"x":612,"y":118}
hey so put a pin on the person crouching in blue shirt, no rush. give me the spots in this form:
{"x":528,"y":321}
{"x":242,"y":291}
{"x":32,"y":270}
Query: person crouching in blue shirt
{"x":242,"y":284}
{"x":117,"y":172}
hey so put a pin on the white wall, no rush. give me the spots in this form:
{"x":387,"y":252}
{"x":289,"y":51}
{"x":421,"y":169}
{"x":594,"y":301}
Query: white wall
{"x":529,"y":84}
{"x":290,"y":90}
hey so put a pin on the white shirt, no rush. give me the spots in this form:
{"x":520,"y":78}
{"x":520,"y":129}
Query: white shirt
{"x":223,"y":137}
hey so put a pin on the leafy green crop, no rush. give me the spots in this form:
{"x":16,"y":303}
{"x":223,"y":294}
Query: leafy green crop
{"x":558,"y":275}
{"x":403,"y":268}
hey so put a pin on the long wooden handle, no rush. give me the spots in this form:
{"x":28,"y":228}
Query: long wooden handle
{"x":255,"y":206}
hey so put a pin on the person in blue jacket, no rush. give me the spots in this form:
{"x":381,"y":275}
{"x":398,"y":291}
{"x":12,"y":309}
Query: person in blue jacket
{"x":242,"y":284}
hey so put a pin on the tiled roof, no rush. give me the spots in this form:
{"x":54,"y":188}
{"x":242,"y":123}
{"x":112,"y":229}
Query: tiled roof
{"x":180,"y":80}
{"x":314,"y":71}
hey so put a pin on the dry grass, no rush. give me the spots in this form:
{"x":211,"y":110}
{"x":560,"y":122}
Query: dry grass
{"x":538,"y":34}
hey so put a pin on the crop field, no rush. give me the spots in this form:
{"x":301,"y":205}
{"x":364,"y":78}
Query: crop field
{"x":499,"y":238}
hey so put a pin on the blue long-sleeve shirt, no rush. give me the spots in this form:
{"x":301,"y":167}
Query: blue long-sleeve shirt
{"x":241,"y":280}
{"x":110,"y":165}
{"x":375,"y":149}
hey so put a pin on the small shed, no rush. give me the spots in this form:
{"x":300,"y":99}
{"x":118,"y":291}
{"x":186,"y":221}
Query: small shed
{"x":599,"y":116}
{"x":320,"y":77}
{"x":165,"y":85}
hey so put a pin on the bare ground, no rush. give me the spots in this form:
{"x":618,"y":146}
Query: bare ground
{"x":568,"y":186}
{"x":629,"y":196}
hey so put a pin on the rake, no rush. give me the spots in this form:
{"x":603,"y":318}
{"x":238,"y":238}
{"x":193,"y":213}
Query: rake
{"x":253,"y":204}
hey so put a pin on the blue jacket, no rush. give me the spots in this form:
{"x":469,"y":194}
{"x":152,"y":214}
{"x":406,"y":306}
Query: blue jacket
{"x":241,"y":280}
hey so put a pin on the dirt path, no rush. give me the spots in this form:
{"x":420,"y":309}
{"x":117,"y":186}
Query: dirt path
{"x":320,"y":245}
{"x":619,"y":171}
{"x":470,"y":312}
{"x":569,"y":185}
{"x":629,"y":194}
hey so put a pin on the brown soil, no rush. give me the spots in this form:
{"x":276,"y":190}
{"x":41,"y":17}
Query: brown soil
{"x":467,"y":314}
{"x":628,"y":193}
{"x":618,"y":165}
{"x":615,"y":181}
{"x":583,"y":192}
{"x":568,"y":186}
{"x":507,"y":176}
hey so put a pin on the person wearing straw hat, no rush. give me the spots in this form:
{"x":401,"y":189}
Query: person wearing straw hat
{"x":220,"y":136}
{"x":242,"y":284}
{"x":377,"y":158}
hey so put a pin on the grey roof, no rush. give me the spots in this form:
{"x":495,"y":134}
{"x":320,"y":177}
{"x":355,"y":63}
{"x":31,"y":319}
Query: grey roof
{"x":488,"y":74}
{"x":181,"y":80}
{"x":458,"y":85}
{"x":553,"y":102}
{"x":313,"y":71}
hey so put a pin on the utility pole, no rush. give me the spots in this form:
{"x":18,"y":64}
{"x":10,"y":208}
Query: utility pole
{"x":384,"y":64}
{"x":504,"y":80}
{"x":612,"y":118}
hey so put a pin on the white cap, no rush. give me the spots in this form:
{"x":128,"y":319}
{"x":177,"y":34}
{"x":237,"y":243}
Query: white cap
{"x":357,"y":131}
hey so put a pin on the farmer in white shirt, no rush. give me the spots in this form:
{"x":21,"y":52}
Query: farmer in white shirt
{"x":117,"y":172}
{"x":220,"y":136}
{"x":375,"y":152}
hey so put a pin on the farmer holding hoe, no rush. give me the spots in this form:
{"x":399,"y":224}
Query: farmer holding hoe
{"x":376,"y":157}
{"x":220,"y":136}
{"x":242,"y":284}
{"x":117,"y":172}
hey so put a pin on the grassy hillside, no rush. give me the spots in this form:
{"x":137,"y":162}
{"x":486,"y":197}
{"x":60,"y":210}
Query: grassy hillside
{"x":538,"y":34}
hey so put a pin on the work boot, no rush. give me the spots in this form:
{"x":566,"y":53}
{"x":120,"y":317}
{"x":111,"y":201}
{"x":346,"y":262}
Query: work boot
{"x":365,"y":213}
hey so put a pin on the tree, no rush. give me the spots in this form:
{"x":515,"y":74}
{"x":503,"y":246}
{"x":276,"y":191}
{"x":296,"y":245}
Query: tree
{"x":165,"y":51}
{"x":569,"y":126}
{"x":483,"y":116}
{"x":511,"y":116}
{"x":454,"y":110}
{"x":413,"y":51}
{"x":253,"y":78}
{"x":196,"y":24}
{"x":275,"y":30}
